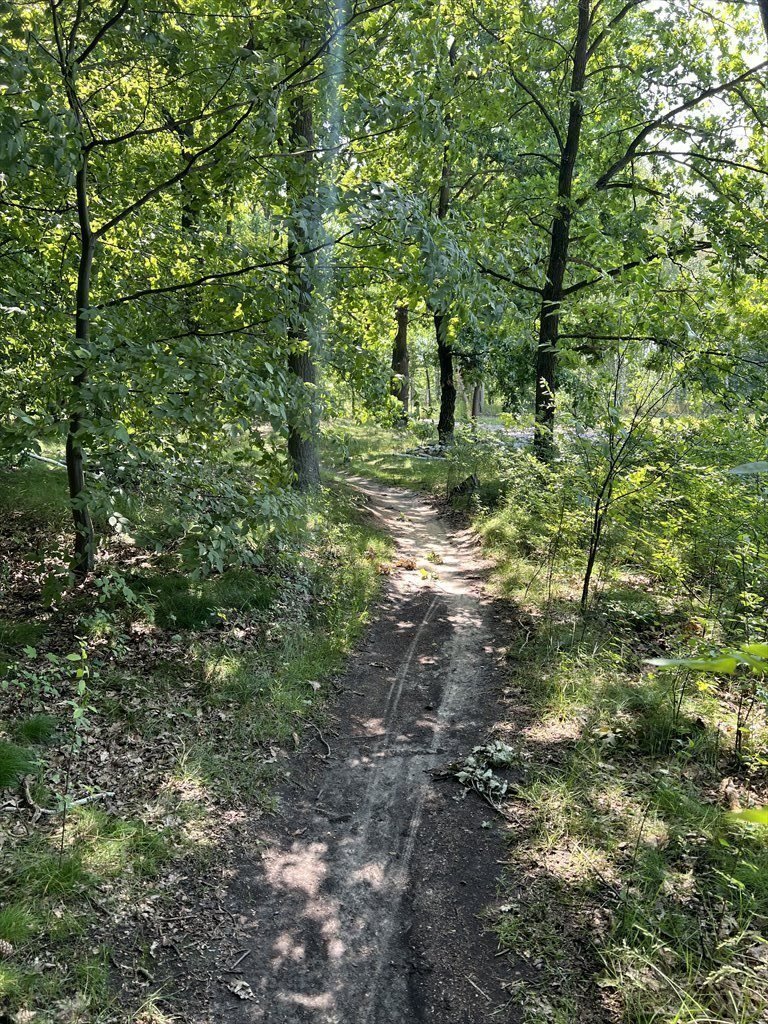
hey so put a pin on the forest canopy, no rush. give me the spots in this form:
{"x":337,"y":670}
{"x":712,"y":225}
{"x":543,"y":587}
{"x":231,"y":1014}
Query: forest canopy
{"x":210,"y":219}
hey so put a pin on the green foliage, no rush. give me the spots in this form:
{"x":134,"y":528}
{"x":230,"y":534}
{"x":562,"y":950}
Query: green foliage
{"x":15,"y":762}
{"x":37,"y":729}
{"x":183,"y":603}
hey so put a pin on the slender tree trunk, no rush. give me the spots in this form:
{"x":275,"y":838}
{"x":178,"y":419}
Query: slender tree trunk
{"x":594,"y":545}
{"x":429,"y":388}
{"x":447,"y":421}
{"x":304,"y":417}
{"x":552,"y":296}
{"x":441,"y":315}
{"x":763,"y":4}
{"x":400,"y":362}
{"x":84,"y":534}
{"x":477,"y":401}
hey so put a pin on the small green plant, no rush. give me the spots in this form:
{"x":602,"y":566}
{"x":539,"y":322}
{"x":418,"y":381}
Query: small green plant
{"x":37,"y":729}
{"x":15,"y":762}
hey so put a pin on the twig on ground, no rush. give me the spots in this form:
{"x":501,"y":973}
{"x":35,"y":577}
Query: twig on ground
{"x":322,"y":738}
{"x":90,"y":799}
{"x":29,"y":799}
{"x":475,"y":985}
{"x":233,"y":969}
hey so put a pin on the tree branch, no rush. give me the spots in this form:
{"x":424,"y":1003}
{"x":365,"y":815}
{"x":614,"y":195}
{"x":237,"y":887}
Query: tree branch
{"x":223,"y":275}
{"x":619,"y":16}
{"x":546,"y":114}
{"x":639,"y":139}
{"x":618,"y":271}
{"x":119,"y":12}
{"x":191,"y":161}
{"x":505,"y":277}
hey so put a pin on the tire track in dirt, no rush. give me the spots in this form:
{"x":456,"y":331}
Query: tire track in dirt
{"x":363,"y":907}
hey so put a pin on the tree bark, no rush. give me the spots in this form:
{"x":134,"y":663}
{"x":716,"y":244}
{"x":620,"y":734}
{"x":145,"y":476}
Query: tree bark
{"x":552,"y":295}
{"x":763,"y":5}
{"x":84,"y":547}
{"x":477,"y":401}
{"x":400,"y":362}
{"x":447,"y":420}
{"x":302,"y":443}
{"x":304,"y":417}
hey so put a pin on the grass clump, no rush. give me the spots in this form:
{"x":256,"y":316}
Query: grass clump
{"x":180,"y":602}
{"x":15,"y":762}
{"x":36,"y":729}
{"x":14,"y":634}
{"x":16,"y":924}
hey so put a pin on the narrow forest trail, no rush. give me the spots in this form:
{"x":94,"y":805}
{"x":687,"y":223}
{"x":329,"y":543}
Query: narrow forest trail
{"x":362,"y":906}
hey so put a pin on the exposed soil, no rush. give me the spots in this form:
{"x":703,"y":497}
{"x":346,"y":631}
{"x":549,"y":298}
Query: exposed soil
{"x":363,"y":902}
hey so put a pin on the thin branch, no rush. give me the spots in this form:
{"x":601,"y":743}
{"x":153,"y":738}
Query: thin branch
{"x":547,"y":116}
{"x":224,"y":275}
{"x":618,"y":17}
{"x":618,"y":271}
{"x":119,"y":12}
{"x":505,"y":277}
{"x":191,"y":161}
{"x":662,"y":119}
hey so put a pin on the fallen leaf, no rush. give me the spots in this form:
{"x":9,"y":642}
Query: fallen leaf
{"x":241,"y":989}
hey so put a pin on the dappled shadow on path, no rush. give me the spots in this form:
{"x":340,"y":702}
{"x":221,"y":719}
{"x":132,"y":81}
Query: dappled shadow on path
{"x":362,"y":905}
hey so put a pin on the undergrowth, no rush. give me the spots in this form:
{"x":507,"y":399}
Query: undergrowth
{"x":403,"y":458}
{"x":624,"y":822}
{"x":144,"y":721}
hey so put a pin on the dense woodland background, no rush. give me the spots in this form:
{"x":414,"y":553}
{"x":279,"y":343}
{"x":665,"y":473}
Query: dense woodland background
{"x":510,"y":253}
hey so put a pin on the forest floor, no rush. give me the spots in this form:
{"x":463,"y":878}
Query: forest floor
{"x":399,"y":779}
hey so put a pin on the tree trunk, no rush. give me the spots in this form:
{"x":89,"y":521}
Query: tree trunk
{"x":447,"y":420}
{"x":304,"y":417}
{"x":400,"y":363}
{"x":84,"y":546}
{"x":302,"y":444}
{"x":429,"y":388}
{"x":552,"y":295}
{"x":477,"y":401}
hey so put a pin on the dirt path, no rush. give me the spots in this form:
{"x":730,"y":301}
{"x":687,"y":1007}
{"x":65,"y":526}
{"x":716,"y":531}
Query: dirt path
{"x":363,"y":905}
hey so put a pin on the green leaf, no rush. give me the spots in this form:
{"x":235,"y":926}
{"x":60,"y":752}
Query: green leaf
{"x":754,"y":815}
{"x":749,"y":469}
{"x":720,"y":664}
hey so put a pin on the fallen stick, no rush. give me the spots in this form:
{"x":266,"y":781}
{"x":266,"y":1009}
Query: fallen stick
{"x":475,"y":985}
{"x":324,"y":740}
{"x":233,"y":968}
{"x":65,"y":806}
